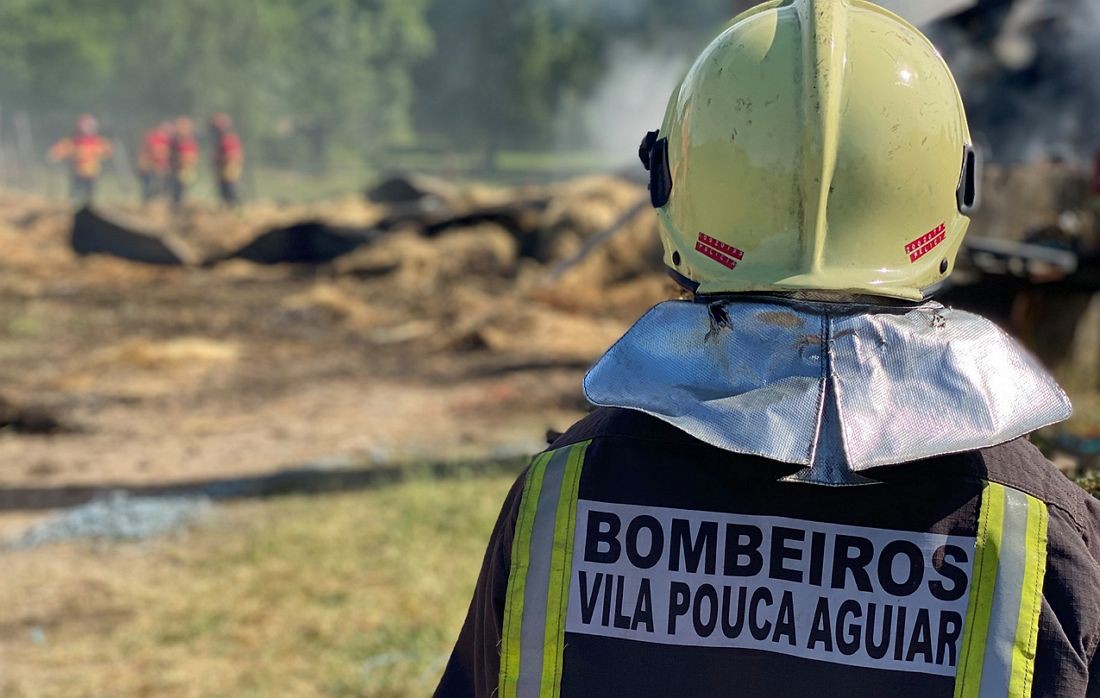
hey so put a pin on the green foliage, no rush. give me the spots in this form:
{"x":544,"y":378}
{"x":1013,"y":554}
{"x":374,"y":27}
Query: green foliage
{"x":321,"y":80}
{"x":501,"y":69}
{"x":43,"y":54}
{"x":311,"y":73}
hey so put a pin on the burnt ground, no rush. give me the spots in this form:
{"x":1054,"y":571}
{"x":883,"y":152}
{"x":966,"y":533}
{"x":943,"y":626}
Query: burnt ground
{"x":169,"y":375}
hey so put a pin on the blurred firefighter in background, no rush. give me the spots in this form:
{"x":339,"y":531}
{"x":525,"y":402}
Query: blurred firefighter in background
{"x":155,"y":161}
{"x":85,"y":151}
{"x":228,"y":158}
{"x":184,"y":160}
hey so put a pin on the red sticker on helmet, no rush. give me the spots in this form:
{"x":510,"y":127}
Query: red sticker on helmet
{"x":726,"y":255}
{"x":926,"y":243}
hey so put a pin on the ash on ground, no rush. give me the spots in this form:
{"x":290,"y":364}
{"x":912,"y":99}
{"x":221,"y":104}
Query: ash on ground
{"x":117,"y":516}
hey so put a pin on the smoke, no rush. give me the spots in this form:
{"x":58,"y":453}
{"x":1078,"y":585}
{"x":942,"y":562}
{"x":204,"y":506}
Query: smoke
{"x":614,"y":13}
{"x":639,"y":73}
{"x":628,"y":101}
{"x":1028,"y":73}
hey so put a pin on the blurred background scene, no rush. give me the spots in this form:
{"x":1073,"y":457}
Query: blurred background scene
{"x":291,"y":290}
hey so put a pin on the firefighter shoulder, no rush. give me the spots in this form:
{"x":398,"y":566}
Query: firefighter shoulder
{"x":812,"y":479}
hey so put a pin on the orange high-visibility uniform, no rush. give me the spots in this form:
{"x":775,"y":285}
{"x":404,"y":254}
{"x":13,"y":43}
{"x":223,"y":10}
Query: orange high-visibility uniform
{"x":156,"y":152}
{"x":229,"y":159}
{"x":86,"y":153}
{"x":185,"y":158}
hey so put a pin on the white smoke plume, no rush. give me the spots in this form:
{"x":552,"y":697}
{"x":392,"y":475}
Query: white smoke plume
{"x":1029,"y":71}
{"x":629,"y":101}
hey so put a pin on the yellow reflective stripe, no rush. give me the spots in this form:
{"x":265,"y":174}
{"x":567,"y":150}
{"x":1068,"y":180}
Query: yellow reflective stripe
{"x":968,"y":677}
{"x":533,"y":634}
{"x":1031,"y":603}
{"x":561,"y":565}
{"x":517,"y":578}
{"x":997,"y":658}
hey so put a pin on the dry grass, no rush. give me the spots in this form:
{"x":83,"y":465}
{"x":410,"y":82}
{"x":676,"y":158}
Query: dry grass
{"x":1091,"y":483}
{"x":1086,"y":413}
{"x":181,"y":351}
{"x":350,"y":595}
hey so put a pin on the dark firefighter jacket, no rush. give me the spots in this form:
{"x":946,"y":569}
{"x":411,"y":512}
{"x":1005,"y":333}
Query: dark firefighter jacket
{"x":633,"y":560}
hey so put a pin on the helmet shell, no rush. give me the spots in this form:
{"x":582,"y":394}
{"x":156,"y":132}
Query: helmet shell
{"x":816,"y":145}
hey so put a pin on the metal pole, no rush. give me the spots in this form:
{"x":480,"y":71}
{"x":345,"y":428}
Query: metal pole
{"x":598,"y":240}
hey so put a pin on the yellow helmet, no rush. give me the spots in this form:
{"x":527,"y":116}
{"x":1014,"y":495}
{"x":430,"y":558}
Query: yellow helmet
{"x":814,"y":145}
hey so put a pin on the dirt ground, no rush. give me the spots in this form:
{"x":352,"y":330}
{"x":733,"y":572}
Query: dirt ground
{"x":169,"y":375}
{"x":411,"y":351}
{"x":435,"y":342}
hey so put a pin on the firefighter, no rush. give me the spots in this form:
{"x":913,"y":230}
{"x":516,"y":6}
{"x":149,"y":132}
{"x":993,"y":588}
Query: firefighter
{"x":184,"y":160}
{"x":155,"y":161}
{"x":811,"y":479}
{"x":228,"y":158}
{"x":85,"y":151}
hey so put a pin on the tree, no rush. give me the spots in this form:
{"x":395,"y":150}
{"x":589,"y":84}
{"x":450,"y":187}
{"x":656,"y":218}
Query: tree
{"x":335,"y":71}
{"x":501,"y":70}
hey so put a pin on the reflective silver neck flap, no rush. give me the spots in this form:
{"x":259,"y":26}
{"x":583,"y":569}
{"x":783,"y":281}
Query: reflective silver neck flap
{"x":837,"y":388}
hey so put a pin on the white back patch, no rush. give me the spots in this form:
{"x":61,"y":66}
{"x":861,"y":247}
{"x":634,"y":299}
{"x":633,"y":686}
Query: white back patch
{"x":850,"y":595}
